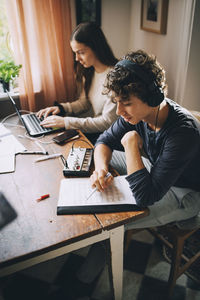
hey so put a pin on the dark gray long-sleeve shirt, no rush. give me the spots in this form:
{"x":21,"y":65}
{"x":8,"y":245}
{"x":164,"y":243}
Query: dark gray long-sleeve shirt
{"x":174,"y":152}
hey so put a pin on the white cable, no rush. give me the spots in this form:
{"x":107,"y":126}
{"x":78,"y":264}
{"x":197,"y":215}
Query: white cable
{"x":38,"y":138}
{"x":14,"y":125}
{"x":8,"y":117}
{"x":40,"y":146}
{"x":11,"y":115}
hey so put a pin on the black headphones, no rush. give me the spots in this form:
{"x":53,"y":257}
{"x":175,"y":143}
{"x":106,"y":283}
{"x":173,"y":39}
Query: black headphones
{"x":156,"y":94}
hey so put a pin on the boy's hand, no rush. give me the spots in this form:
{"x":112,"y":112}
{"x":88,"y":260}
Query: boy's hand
{"x":101,"y":179}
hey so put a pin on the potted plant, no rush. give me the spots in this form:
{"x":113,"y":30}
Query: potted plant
{"x":8,"y":72}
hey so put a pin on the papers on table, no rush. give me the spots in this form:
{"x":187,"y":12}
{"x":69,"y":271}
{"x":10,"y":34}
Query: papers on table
{"x":4,"y":131}
{"x":9,"y":146}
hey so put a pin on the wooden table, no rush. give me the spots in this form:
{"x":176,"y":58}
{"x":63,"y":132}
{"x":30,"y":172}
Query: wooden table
{"x":38,"y":234}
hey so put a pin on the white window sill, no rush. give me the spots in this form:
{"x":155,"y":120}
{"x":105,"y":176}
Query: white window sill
{"x":4,"y":96}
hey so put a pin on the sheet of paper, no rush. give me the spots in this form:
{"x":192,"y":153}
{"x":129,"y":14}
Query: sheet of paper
{"x":7,"y":155}
{"x":9,"y":146}
{"x":4,"y":131}
{"x":7,"y":163}
{"x":74,"y":192}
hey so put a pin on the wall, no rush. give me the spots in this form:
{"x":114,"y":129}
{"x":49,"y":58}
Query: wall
{"x":165,"y":47}
{"x":116,"y":24}
{"x":192,"y":87}
{"x":121,"y":24}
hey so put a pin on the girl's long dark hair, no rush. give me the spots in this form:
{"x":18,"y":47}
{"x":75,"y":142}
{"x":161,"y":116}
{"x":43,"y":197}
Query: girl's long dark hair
{"x":92,"y":36}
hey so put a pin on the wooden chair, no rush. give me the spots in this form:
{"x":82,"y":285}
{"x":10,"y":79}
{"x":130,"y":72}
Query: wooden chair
{"x":175,"y":238}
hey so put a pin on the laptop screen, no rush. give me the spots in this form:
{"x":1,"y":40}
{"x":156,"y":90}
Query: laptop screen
{"x":15,"y":106}
{"x":31,"y":122}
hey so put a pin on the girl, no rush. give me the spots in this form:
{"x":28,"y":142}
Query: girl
{"x":93,"y":112}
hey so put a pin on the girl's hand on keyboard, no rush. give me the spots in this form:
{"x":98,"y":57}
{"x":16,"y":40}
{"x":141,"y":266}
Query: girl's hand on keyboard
{"x":53,"y":121}
{"x":53,"y":110}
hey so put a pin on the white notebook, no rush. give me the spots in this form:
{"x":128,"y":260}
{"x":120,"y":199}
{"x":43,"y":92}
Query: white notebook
{"x":75,"y":191}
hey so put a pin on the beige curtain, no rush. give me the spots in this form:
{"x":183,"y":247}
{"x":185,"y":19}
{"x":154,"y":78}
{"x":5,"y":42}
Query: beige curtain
{"x":40,"y":31}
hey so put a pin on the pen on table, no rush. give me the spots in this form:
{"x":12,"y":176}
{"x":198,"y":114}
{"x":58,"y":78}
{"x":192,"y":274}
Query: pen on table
{"x":90,"y":195}
{"x":43,"y":197}
{"x":48,"y":157}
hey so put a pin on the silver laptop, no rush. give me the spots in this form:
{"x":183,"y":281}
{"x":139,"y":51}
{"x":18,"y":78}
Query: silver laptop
{"x":31,"y":122}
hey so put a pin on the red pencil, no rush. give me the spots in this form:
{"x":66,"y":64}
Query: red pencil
{"x":43,"y":197}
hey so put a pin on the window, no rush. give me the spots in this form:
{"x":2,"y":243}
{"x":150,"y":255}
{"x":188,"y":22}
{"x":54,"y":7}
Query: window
{"x":5,"y":42}
{"x":6,"y":52}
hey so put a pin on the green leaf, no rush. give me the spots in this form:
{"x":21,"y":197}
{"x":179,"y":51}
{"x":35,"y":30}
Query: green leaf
{"x":9,"y":70}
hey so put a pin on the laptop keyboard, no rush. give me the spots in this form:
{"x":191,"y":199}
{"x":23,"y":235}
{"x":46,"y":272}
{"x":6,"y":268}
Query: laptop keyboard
{"x":33,"y":123}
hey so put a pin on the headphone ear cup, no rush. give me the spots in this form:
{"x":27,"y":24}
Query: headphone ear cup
{"x":156,"y":97}
{"x":152,"y":87}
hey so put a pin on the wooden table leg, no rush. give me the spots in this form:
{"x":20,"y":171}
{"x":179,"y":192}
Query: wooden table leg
{"x":116,"y":247}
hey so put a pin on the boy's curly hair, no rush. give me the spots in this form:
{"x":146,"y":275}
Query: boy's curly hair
{"x":124,"y":83}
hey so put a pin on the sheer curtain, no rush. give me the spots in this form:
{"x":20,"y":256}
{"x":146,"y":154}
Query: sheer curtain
{"x":40,"y":31}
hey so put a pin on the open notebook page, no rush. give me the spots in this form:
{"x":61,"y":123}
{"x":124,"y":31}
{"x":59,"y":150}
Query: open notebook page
{"x":75,"y":191}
